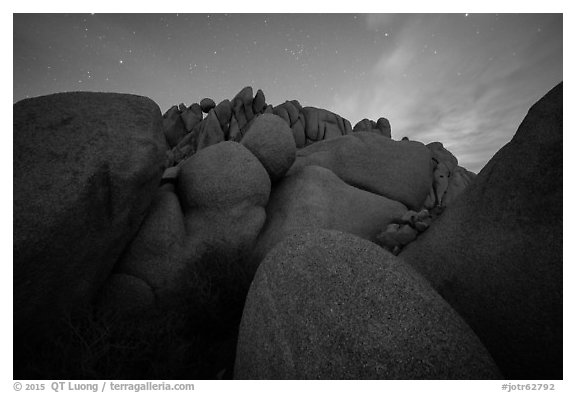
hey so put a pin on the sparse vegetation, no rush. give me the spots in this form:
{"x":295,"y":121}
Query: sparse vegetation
{"x":191,"y":336}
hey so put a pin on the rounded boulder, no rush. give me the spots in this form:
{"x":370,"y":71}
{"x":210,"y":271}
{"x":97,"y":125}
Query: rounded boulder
{"x":329,"y":305}
{"x":223,"y":175}
{"x":207,"y":104}
{"x":86,"y":166}
{"x":270,"y":139}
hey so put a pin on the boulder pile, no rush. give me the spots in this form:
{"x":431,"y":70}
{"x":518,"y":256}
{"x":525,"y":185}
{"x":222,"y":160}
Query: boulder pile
{"x":359,"y":256}
{"x":187,"y":131}
{"x":403,"y":231}
{"x":382,"y":126}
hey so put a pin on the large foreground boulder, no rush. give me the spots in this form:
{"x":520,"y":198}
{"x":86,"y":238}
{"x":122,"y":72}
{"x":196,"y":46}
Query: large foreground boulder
{"x":401,"y":171}
{"x":86,"y":166}
{"x":496,"y":253}
{"x":315,"y":197}
{"x":329,"y":305}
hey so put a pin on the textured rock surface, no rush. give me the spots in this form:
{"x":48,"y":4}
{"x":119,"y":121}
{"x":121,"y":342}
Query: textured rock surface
{"x":401,"y":171}
{"x":270,"y":139}
{"x":364,"y":125}
{"x":207,"y":104}
{"x":259,"y":102}
{"x":496,"y":254}
{"x":86,"y":166}
{"x":441,"y":154}
{"x":236,"y":116}
{"x":329,"y":305}
{"x":315,"y":197}
{"x":154,"y":255}
{"x":217,"y":203}
{"x":242,"y":107}
{"x":382,"y":126}
{"x":191,"y":116}
{"x":210,"y":132}
{"x":322,"y":124}
{"x":223,"y":112}
{"x":223,"y":175}
{"x":174,"y":127}
{"x":404,"y":230}
{"x":126,"y":294}
{"x":449,"y":178}
{"x":441,"y":181}
{"x":460,"y":178}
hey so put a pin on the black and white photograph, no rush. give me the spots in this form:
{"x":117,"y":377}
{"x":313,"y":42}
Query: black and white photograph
{"x":287,"y":195}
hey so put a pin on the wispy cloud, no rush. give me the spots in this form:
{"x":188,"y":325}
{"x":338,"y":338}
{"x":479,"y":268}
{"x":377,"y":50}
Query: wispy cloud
{"x":466,"y":82}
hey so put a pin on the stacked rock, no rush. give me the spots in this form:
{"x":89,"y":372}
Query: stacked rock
{"x":322,"y":124}
{"x":310,"y":124}
{"x":382,"y":126}
{"x":271,"y":141}
{"x":207,"y":104}
{"x":214,"y":200}
{"x":401,"y":171}
{"x":187,"y":131}
{"x":100,"y":218}
{"x":173,"y":125}
{"x":404,"y":231}
{"x":450,"y":179}
{"x":291,"y":112}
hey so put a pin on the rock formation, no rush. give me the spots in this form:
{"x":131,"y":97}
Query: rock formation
{"x":270,"y":139}
{"x":217,"y":203}
{"x":174,"y":127}
{"x":401,"y":171}
{"x":86,"y":167}
{"x":187,"y":132}
{"x":207,"y":104}
{"x":382,"y":126}
{"x":495,"y":254}
{"x":329,"y":305}
{"x":449,"y":178}
{"x":315,"y":197}
{"x":370,"y":257}
{"x":403,"y":231}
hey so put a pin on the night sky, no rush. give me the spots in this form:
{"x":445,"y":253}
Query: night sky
{"x":466,"y":80}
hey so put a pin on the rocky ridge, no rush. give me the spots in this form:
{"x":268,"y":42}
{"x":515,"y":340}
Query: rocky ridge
{"x":147,"y":215}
